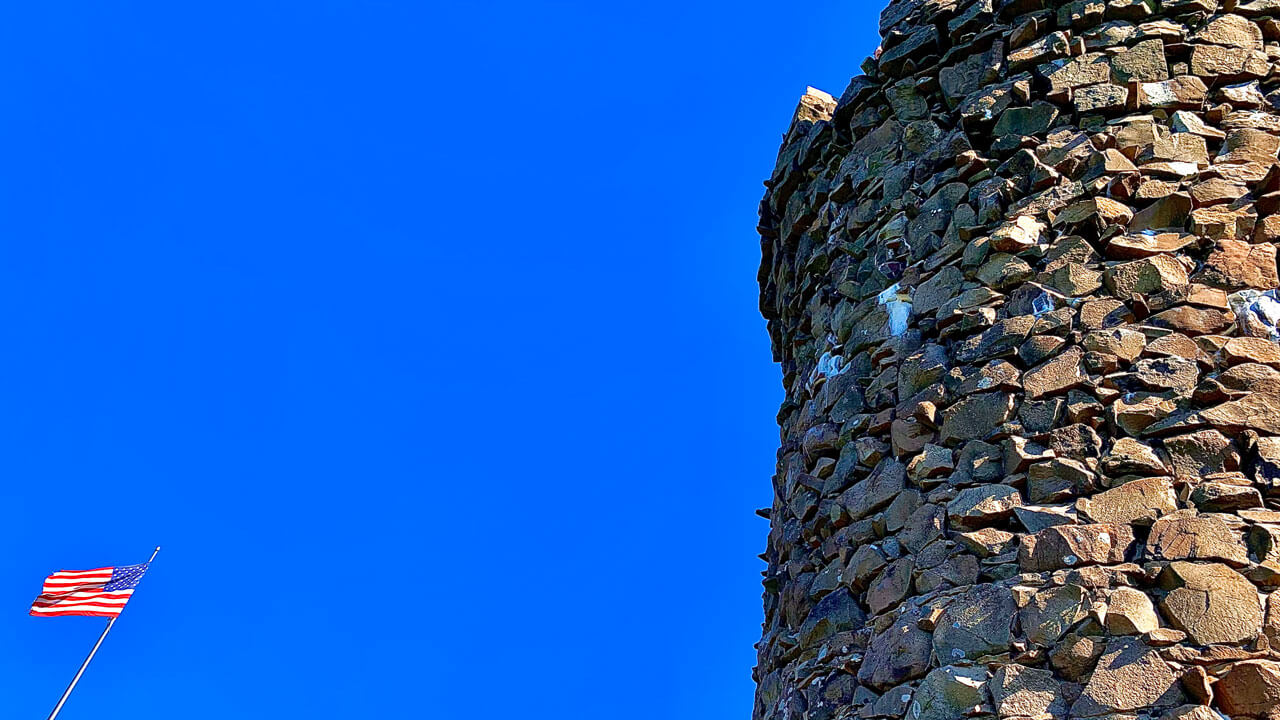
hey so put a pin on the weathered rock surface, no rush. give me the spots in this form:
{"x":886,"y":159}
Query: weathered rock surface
{"x":949,"y":693}
{"x":1049,"y":613}
{"x":1188,"y":536}
{"x":1251,"y":689}
{"x":1068,"y":546}
{"x":1211,"y":603}
{"x":983,"y":506}
{"x":1130,"y":612}
{"x":1138,"y":501}
{"x":896,"y":655}
{"x":1019,"y":691}
{"x":975,"y":624}
{"x":1128,"y":676}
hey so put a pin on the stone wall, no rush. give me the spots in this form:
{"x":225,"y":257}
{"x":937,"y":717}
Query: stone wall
{"x":1018,"y":278}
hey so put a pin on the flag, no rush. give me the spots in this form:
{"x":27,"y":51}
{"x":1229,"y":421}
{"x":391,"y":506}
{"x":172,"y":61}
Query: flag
{"x":101,"y":593}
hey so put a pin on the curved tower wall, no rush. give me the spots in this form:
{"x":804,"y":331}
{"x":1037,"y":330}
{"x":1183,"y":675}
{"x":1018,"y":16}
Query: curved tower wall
{"x":1019,"y":278}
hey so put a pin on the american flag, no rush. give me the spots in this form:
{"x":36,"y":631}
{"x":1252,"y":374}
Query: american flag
{"x":101,"y":593}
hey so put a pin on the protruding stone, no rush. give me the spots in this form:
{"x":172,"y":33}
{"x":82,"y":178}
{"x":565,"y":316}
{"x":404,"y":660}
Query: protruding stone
{"x":1132,"y":457}
{"x":1186,"y":536}
{"x":949,"y":693}
{"x":1026,"y":692}
{"x":1168,"y":213}
{"x":1147,"y":245}
{"x":1032,"y":120}
{"x":1146,"y":277}
{"x":977,"y":622}
{"x":1130,"y":612}
{"x":1144,"y":62}
{"x":974,"y":417}
{"x":1076,"y":656}
{"x":1211,"y":603}
{"x":1138,"y":501}
{"x":898,"y":654}
{"x":982,"y":506}
{"x":1129,"y":676}
{"x":892,"y":586}
{"x":1252,"y":350}
{"x":1225,"y":497}
{"x":1251,"y":689}
{"x":1067,"y":546}
{"x":1237,"y":264}
{"x":835,"y":613}
{"x":1199,"y":453}
{"x":1187,"y":91}
{"x":1252,"y":412}
{"x":1051,"y":612}
{"x":1057,"y":375}
{"x":1100,"y":98}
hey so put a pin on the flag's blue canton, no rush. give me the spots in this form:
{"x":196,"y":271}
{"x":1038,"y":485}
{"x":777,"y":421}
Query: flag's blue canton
{"x":126,"y":578}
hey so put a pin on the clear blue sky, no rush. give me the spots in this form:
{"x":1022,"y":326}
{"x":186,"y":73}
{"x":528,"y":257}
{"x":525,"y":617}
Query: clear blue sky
{"x":423,"y":337}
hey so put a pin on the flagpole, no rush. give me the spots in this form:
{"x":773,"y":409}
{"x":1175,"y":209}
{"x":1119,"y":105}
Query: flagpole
{"x":62,"y":701}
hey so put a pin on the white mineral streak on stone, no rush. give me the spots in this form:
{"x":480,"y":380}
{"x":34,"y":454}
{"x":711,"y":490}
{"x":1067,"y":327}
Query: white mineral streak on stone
{"x":1159,"y":93}
{"x":898,"y":305}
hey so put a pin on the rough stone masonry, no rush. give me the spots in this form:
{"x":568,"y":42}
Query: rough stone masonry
{"x":1021,"y":279}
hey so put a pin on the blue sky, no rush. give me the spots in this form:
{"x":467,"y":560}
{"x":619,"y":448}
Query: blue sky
{"x":422,"y":336}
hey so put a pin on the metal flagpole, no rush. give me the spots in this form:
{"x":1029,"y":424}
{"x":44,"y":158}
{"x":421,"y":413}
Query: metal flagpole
{"x":58,"y":708}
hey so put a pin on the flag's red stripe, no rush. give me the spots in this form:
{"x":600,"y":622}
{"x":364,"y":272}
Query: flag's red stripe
{"x":83,"y":613}
{"x":80,"y":595}
{"x":112,"y":601}
{"x":86,"y":593}
{"x":89,"y":591}
{"x":80,"y":601}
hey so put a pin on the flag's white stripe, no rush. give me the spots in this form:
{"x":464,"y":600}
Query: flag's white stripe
{"x":79,"y":578}
{"x":76,"y":596}
{"x":53,"y":589}
{"x":81,"y":573}
{"x":79,"y":583}
{"x":113,"y":597}
{"x":81,"y":598}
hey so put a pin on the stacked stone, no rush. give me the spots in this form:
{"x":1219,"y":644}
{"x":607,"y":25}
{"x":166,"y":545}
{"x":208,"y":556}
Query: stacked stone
{"x":1020,"y":279}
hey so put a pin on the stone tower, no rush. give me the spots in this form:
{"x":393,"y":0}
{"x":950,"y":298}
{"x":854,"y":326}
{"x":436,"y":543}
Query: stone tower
{"x":1021,"y":281}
